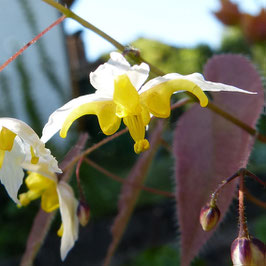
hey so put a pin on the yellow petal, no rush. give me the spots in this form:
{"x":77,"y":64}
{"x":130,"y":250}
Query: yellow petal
{"x":125,"y":97}
{"x":34,"y":158}
{"x":135,"y":126}
{"x":145,"y":115}
{"x":105,"y":111}
{"x":24,"y":199}
{"x":2,"y":157}
{"x":38,"y":183}
{"x":157,"y":98}
{"x":49,"y":200}
{"x":6,"y":139}
{"x":60,"y":231}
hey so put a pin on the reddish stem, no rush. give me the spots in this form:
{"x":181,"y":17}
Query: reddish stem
{"x":122,"y":180}
{"x":13,"y":57}
{"x":81,"y":193}
{"x":243,"y":229}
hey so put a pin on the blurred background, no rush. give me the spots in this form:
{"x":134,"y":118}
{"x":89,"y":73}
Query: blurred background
{"x":176,"y":36}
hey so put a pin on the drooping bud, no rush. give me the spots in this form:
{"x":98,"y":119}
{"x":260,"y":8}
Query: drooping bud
{"x":209,"y":217}
{"x":247,"y":252}
{"x":83,"y":213}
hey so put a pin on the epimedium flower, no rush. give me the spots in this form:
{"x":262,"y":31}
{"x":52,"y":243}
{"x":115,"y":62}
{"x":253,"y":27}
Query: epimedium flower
{"x":55,"y":194}
{"x":21,"y":148}
{"x":120,"y":94}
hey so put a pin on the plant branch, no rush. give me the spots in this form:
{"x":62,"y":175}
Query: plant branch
{"x":243,"y":229}
{"x":68,"y":13}
{"x":122,"y":180}
{"x":254,"y":200}
{"x":13,"y":57}
{"x":94,"y":147}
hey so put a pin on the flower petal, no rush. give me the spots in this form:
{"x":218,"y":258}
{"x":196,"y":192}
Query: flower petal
{"x":25,"y":132}
{"x":102,"y":79}
{"x":11,"y":172}
{"x":138,"y":75}
{"x":47,"y":165}
{"x":68,"y":209}
{"x":31,"y":143}
{"x":196,"y":78}
{"x":49,"y":201}
{"x":105,"y":111}
{"x":155,"y":95}
{"x":126,"y":97}
{"x":57,"y":118}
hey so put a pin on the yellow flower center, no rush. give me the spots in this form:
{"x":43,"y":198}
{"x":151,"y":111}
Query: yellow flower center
{"x":129,"y":108}
{"x":40,"y":186}
{"x":7,"y":138}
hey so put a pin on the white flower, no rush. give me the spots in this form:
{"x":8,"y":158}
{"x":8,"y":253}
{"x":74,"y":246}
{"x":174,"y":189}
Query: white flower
{"x":21,"y":148}
{"x":55,"y":194}
{"x":68,"y":209}
{"x":120,"y":94}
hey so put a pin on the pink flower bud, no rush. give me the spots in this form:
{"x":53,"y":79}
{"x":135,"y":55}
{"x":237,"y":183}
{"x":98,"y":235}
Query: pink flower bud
{"x":209,"y":217}
{"x":83,"y":213}
{"x":248,"y":251}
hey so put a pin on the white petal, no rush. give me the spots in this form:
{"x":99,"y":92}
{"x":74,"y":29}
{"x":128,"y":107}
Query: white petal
{"x":11,"y":172}
{"x":196,"y":78}
{"x":58,"y":117}
{"x":31,"y":139}
{"x":102,"y":79}
{"x":68,"y":209}
{"x":25,"y":132}
{"x":138,"y":75}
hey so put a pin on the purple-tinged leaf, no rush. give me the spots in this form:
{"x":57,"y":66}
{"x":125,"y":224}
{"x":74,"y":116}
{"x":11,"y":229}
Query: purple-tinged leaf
{"x":209,"y":148}
{"x":43,"y":219}
{"x":130,"y":191}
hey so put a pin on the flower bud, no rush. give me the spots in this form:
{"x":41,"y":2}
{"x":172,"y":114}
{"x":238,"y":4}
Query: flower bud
{"x":209,"y":217}
{"x":83,"y":213}
{"x":248,"y":251}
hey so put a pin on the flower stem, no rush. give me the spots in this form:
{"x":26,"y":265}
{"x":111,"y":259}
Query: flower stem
{"x":81,"y":193}
{"x":68,"y":13}
{"x":13,"y":57}
{"x":241,"y":172}
{"x":93,"y":148}
{"x":122,"y":180}
{"x":243,"y":229}
{"x":254,"y":200}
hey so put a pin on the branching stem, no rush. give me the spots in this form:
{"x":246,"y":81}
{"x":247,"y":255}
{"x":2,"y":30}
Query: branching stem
{"x":122,"y":180}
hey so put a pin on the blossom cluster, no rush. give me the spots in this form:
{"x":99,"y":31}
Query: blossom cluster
{"x":121,"y":94}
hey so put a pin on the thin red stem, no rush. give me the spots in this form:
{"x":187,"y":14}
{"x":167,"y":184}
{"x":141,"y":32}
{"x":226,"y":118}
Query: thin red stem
{"x":254,"y":200}
{"x":13,"y":57}
{"x":122,"y":180}
{"x":81,"y":193}
{"x":243,"y":229}
{"x":224,"y":182}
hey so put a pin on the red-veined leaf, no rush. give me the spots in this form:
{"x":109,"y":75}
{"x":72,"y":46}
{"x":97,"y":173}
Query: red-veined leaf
{"x":209,"y":148}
